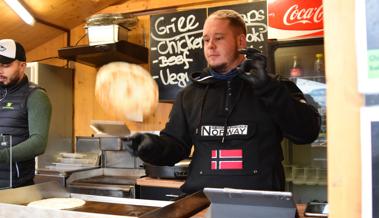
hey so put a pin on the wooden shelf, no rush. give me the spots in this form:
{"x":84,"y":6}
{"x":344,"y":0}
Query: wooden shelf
{"x":168,"y":183}
{"x":98,"y":55}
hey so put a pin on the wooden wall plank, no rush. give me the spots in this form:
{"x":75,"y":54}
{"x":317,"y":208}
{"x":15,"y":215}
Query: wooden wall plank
{"x":344,"y":102}
{"x":146,"y":5}
{"x":48,"y":50}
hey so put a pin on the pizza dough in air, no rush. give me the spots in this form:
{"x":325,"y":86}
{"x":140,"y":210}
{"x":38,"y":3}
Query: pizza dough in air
{"x":58,"y":203}
{"x":127,"y":90}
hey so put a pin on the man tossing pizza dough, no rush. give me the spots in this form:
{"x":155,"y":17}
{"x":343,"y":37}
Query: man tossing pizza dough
{"x":126,"y":90}
{"x":58,"y":203}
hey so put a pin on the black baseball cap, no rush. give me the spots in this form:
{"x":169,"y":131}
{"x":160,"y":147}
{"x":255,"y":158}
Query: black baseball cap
{"x":10,"y":51}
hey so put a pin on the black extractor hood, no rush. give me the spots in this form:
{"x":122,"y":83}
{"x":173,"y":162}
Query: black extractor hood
{"x":98,"y":55}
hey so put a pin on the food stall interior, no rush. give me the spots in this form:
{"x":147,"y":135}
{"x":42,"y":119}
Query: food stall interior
{"x":14,"y":202}
{"x":117,"y":174}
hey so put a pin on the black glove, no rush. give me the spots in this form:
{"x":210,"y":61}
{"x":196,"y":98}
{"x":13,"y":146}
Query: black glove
{"x":253,"y":69}
{"x":133,"y":142}
{"x":142,"y":146}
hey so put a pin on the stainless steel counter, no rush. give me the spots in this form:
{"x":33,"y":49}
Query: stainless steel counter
{"x":13,"y":204}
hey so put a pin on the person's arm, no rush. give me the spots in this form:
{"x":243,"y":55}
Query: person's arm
{"x":173,"y":144}
{"x":299,"y":121}
{"x":39,"y":115}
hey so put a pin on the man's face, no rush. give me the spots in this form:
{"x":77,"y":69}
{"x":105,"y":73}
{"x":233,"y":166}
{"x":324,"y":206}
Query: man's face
{"x":221,"y":44}
{"x":11,"y":73}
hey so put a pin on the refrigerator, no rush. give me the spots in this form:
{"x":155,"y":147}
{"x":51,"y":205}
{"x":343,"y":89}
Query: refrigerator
{"x":302,"y":61}
{"x":58,"y":83}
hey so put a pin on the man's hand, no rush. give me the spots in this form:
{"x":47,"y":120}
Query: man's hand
{"x":253,"y":70}
{"x":133,"y":142}
{"x":142,"y":146}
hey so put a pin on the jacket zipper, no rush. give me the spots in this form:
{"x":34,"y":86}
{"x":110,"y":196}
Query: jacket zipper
{"x":228,"y":96}
{"x":17,"y":170}
{"x":227,"y":107}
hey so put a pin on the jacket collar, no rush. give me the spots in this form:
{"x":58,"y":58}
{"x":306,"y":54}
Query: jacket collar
{"x":209,"y":76}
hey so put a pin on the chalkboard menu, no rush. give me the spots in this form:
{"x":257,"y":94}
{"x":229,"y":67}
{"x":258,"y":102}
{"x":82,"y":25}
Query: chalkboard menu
{"x":255,"y":16}
{"x":176,"y":50}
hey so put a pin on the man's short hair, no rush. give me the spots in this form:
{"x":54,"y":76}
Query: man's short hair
{"x":235,"y":19}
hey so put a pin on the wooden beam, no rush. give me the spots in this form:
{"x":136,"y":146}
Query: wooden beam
{"x":343,"y":104}
{"x":143,"y":7}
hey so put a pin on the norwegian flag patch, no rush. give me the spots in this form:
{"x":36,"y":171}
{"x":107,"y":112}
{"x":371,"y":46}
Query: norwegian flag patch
{"x":226,"y":159}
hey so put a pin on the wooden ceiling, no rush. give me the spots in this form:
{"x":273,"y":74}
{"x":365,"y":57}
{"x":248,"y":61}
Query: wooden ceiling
{"x":65,"y":14}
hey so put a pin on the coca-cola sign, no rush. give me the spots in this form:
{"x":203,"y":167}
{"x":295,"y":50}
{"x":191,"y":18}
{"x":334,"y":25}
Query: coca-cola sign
{"x":305,"y":16}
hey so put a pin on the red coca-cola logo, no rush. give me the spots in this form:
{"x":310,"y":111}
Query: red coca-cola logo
{"x":296,"y":14}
